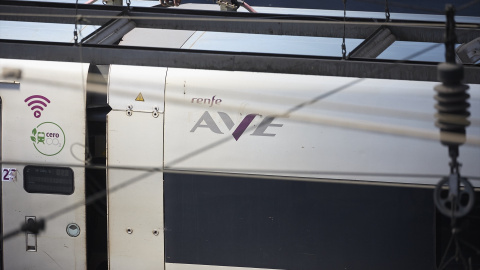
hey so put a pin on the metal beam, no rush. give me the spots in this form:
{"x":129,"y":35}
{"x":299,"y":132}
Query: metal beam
{"x":213,"y":60}
{"x":110,"y":33}
{"x":56,"y":12}
{"x":469,"y":53}
{"x":374,"y":45}
{"x":254,"y":23}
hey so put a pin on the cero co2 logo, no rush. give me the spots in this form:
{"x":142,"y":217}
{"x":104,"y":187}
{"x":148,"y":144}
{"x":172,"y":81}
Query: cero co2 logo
{"x":48,"y":138}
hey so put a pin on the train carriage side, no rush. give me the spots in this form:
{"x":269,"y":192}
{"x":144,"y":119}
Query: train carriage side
{"x":42,"y":145}
{"x":256,"y":175}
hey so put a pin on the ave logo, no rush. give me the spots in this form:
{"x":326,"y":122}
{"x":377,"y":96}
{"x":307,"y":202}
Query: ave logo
{"x":206,"y":121}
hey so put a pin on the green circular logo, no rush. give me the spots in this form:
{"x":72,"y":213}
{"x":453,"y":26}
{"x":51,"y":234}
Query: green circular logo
{"x":48,"y":138}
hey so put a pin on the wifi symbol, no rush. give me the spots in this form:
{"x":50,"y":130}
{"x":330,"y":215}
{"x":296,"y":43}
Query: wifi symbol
{"x":36,"y":104}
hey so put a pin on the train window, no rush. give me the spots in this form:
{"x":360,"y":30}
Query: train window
{"x":49,"y":180}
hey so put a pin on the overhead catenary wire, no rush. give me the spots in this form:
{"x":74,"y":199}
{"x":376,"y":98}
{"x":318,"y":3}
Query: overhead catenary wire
{"x":467,"y":5}
{"x":333,"y":106}
{"x":247,"y":173}
{"x":359,"y":109}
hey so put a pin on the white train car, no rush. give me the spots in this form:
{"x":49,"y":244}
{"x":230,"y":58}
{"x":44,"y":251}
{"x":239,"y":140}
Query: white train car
{"x":43,"y":153}
{"x":223,"y":170}
{"x":274,"y":171}
{"x":237,"y":169}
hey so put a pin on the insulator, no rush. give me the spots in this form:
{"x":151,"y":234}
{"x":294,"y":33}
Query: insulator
{"x":452,"y":105}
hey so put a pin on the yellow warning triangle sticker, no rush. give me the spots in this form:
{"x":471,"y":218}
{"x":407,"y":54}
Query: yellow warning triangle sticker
{"x":139,"y":97}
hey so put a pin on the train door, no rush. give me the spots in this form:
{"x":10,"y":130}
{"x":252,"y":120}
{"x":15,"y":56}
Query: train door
{"x":135,"y":160}
{"x":42,"y":150}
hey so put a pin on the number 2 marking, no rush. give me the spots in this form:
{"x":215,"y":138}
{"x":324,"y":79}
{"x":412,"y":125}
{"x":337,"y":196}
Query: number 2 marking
{"x":7,"y":174}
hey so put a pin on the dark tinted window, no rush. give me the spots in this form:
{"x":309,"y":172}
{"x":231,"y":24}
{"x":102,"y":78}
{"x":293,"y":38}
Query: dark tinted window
{"x":50,"y":180}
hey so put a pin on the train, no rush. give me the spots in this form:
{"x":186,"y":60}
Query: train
{"x":201,"y":173}
{"x":136,"y":167}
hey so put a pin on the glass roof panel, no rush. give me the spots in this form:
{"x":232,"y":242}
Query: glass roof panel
{"x":414,"y":51}
{"x":52,"y":32}
{"x":317,"y":46}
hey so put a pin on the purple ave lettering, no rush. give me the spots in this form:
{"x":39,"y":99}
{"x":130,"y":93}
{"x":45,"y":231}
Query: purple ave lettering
{"x":206,"y":121}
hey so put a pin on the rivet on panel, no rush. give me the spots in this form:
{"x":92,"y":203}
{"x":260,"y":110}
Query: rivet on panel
{"x":156,"y":112}
{"x":129,"y":110}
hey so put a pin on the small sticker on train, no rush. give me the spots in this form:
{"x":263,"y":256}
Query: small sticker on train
{"x":8,"y":174}
{"x":140,"y":97}
{"x":48,"y":138}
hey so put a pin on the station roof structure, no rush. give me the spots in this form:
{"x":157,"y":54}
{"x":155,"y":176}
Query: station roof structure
{"x":199,"y":36}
